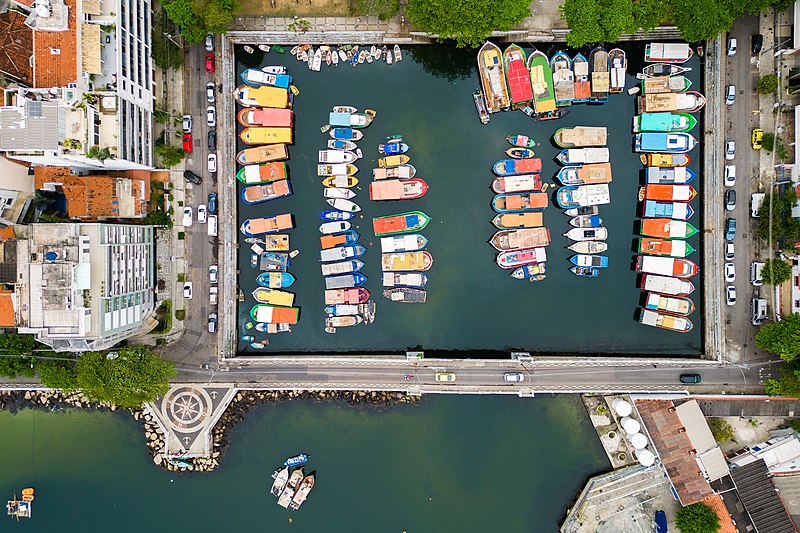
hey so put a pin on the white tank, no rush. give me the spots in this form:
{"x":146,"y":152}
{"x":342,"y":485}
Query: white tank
{"x":622,"y":408}
{"x":638,"y":441}
{"x":645,"y":457}
{"x":630,"y":425}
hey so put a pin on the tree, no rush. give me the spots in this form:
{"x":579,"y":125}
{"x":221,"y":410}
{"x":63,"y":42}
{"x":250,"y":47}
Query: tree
{"x":58,"y":375}
{"x":15,"y":352}
{"x":616,"y":19}
{"x":199,"y":17}
{"x":698,"y":21}
{"x":170,"y":155}
{"x":135,"y":377}
{"x":768,"y":84}
{"x":583,"y":19}
{"x":157,"y":218}
{"x":788,"y":384}
{"x":722,"y":431}
{"x":101,"y":154}
{"x":166,"y":54}
{"x":697,"y":518}
{"x":784,"y":225}
{"x":768,"y":141}
{"x":781,"y":338}
{"x":468,"y":23}
{"x":776,"y":271}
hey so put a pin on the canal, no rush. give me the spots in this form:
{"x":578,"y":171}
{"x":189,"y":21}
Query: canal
{"x":474,"y":308}
{"x":448,"y":464}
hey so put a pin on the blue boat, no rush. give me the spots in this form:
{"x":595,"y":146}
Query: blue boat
{"x":333,"y":215}
{"x":661,"y":521}
{"x":394,"y":148}
{"x":345,"y":281}
{"x":350,"y":237}
{"x":297,"y":460}
{"x":275,"y":280}
{"x":534,"y":272}
{"x":346,"y":134}
{"x":247,"y":338}
{"x":673,"y":143}
{"x":274,"y":262}
{"x":673,"y":210}
{"x":256,"y":77}
{"x":589,"y":261}
{"x":340,"y":253}
{"x":587,"y":272}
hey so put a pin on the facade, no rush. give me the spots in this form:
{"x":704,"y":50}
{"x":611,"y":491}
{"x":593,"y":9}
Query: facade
{"x":81,"y":286}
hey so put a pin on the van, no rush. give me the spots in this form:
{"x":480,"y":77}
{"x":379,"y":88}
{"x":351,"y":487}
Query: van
{"x":756,"y":201}
{"x":755,"y":273}
{"x":212,"y":225}
{"x":759,"y":311}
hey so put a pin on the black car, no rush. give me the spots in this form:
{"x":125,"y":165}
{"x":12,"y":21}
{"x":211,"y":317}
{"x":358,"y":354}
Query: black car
{"x":212,"y":203}
{"x":756,"y":42}
{"x":730,"y":200}
{"x":192,"y":177}
{"x":212,"y":140}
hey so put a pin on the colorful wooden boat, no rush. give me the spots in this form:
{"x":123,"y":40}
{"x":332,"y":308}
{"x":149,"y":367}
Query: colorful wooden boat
{"x":518,"y":258}
{"x":262,"y":97}
{"x":341,"y":253}
{"x":291,"y":487}
{"x":343,"y":238}
{"x":588,"y":260}
{"x":518,"y":76}
{"x":516,"y":239}
{"x":266,"y":295}
{"x":328,"y":228}
{"x":406,"y":295}
{"x":671,"y":248}
{"x":665,"y":160}
{"x":393,"y":161}
{"x":665,"y":84}
{"x":302,"y":492}
{"x":402,"y":172}
{"x":406,"y":261}
{"x":581,"y":136}
{"x":600,"y":75}
{"x":518,"y":220}
{"x":409,"y":222}
{"x":520,"y":153}
{"x":403,"y":243}
{"x":332,"y":215}
{"x":664,"y":69}
{"x":619,"y":69}
{"x":338,"y":192}
{"x":480,"y":104}
{"x":563,"y":79}
{"x":583,"y":195}
{"x":493,"y":78}
{"x":338,"y":144}
{"x":583,"y":88}
{"x":342,"y":267}
{"x":394,"y":148}
{"x":522,"y":141}
{"x":405,"y":279}
{"x":265,"y":173}
{"x":666,"y":266}
{"x":409,"y":189}
{"x":680,"y":306}
{"x":586,"y":221}
{"x":258,"y":226}
{"x":587,"y":234}
{"x":664,"y":122}
{"x":673,"y":210}
{"x":668,"y":175}
{"x":510,"y":167}
{"x":667,"y":52}
{"x":270,"y":261}
{"x":340,"y":182}
{"x":349,"y":120}
{"x":336,"y":156}
{"x":666,"y":228}
{"x":534,"y":272}
{"x":585,"y":272}
{"x":346,"y":134}
{"x":271,"y":314}
{"x":544,"y":99}
{"x":266,"y":117}
{"x":256,"y":194}
{"x":262,"y":154}
{"x":518,"y":183}
{"x":664,"y":142}
{"x":588,"y":247}
{"x":688,"y":102}
{"x":669,"y":193}
{"x":354,"y":295}
{"x":341,"y":204}
{"x":341,"y":169}
{"x":270,"y":243}
{"x":665,"y":321}
{"x":266,"y":136}
{"x":517,"y":203}
{"x":583,"y":156}
{"x":275,"y":280}
{"x":666,"y":285}
{"x":333,"y":322}
{"x":586,"y":210}
{"x":585,"y":174}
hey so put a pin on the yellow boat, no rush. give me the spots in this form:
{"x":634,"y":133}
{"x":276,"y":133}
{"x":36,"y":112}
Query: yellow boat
{"x":340,"y":181}
{"x":337,"y":169}
{"x":393,"y":161}
{"x":264,"y":96}
{"x":273,"y":297}
{"x":266,"y":135}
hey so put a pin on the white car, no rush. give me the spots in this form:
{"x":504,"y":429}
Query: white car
{"x":187,"y":123}
{"x":212,"y":163}
{"x":730,"y":175}
{"x":730,"y":94}
{"x":213,"y":274}
{"x":730,"y":150}
{"x":202,"y":213}
{"x":732,"y":46}
{"x":730,"y":295}
{"x":187,"y":290}
{"x":730,"y":272}
{"x":211,"y":116}
{"x":729,"y":251}
{"x":209,"y":42}
{"x":211,"y":93}
{"x":513,"y":377}
{"x":187,"y":216}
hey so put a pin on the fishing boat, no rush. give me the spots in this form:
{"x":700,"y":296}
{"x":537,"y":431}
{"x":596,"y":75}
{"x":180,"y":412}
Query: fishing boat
{"x":275,"y":280}
{"x":582,"y":156}
{"x":518,"y":258}
{"x":673,"y":210}
{"x":266,"y":135}
{"x":669,"y":193}
{"x":355,"y":295}
{"x":302,"y":492}
{"x":364,"y":310}
{"x":668,"y":175}
{"x":393,"y":148}
{"x":266,"y":117}
{"x":409,"y":189}
{"x":664,"y":69}
{"x":519,"y":183}
{"x":333,"y":215}
{"x":346,"y":134}
{"x":671,"y":248}
{"x":409,"y":222}
{"x":585,"y":174}
{"x":665,"y":84}
{"x":336,"y":156}
{"x":402,"y":172}
{"x":388,"y":55}
{"x":263,"y":96}
{"x":588,"y":247}
{"x":563,"y":79}
{"x":591,"y":261}
{"x":665,"y":160}
{"x":258,"y":226}
{"x":552,"y":115}
{"x":272,"y":314}
{"x":520,"y":153}
{"x":586,"y":272}
{"x":519,"y":81}
{"x":518,"y":220}
{"x":281,"y":478}
{"x":398,"y":55}
{"x":587,"y":234}
{"x":342,"y":267}
{"x":516,"y":239}
{"x":350,"y":120}
{"x":666,"y":285}
{"x":493,"y":78}
{"x":586,"y":210}
{"x":581,"y":136}
{"x":337,"y":144}
{"x":403,"y":243}
{"x":339,"y":169}
{"x":406,"y":261}
{"x":340,"y":204}
{"x":665,"y":142}
{"x":256,"y":77}
{"x":271,"y":261}
{"x":533,"y":272}
{"x":619,"y":69}
{"x":345,"y":281}
{"x":406,"y":295}
{"x":405,"y":279}
{"x":680,"y":306}
{"x":586,"y":221}
{"x":262,"y":154}
{"x":516,"y":203}
{"x":583,"y":195}
{"x":510,"y":167}
{"x":393,"y":161}
{"x":338,"y":192}
{"x":316,"y":63}
{"x":264,"y":173}
{"x":544,"y":99}
{"x":666,"y":266}
{"x":600,"y":75}
{"x":256,"y":194}
{"x":583,"y":90}
{"x":522,"y":141}
{"x":333,"y":322}
{"x":340,"y":182}
{"x":270,"y":243}
{"x":665,"y":321}
{"x":344,"y":109}
{"x":666,"y":228}
{"x":480,"y":103}
{"x":291,"y":487}
{"x":272,"y":328}
{"x":265,"y":295}
{"x":667,"y":52}
{"x":688,"y":102}
{"x":345,"y":238}
{"x":664,"y":122}
{"x":342,"y":252}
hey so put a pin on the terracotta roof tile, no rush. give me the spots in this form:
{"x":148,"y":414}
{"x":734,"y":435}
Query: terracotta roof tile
{"x":7,"y":315}
{"x":56,"y":69}
{"x":43,"y":174}
{"x":726,"y":524}
{"x":7,"y":233}
{"x":16,"y":47}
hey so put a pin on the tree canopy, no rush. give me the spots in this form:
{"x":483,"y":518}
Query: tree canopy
{"x":697,"y":518}
{"x":776,"y":271}
{"x":15,"y":352}
{"x":466,"y":22}
{"x":768,"y":84}
{"x":784,"y":225}
{"x":58,"y":375}
{"x":199,"y":17}
{"x":781,"y":338}
{"x":788,"y":384}
{"x":166,"y":54}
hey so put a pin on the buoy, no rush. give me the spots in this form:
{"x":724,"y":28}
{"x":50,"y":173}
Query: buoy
{"x":290,"y":520}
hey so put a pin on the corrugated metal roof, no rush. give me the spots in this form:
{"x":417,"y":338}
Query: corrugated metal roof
{"x":32,"y":127}
{"x":760,"y":500}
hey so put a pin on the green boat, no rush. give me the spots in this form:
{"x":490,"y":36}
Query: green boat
{"x":279,"y":49}
{"x":544,"y":98}
{"x":664,"y":122}
{"x":410,"y":222}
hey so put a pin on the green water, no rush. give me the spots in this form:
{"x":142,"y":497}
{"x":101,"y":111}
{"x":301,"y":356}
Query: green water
{"x":473,"y":305}
{"x":460,"y":464}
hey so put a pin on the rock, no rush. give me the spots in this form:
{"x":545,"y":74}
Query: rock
{"x":158,"y":459}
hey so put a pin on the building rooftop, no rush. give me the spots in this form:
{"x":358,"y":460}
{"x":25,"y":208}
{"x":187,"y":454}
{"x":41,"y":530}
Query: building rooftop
{"x":33,"y":126}
{"x":56,"y":52}
{"x":16,"y":47}
{"x":760,"y":499}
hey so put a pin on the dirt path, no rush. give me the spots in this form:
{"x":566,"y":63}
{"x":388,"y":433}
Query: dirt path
{"x":287,"y":8}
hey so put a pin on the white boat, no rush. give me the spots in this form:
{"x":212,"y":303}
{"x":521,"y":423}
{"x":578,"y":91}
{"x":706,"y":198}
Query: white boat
{"x":302,"y":56}
{"x":338,"y":192}
{"x":588,"y":247}
{"x":274,"y":69}
{"x":362,"y":55}
{"x":389,"y":58}
{"x":587,"y":234}
{"x":343,"y":55}
{"x":373,"y":51}
{"x":403,"y":243}
{"x":317,"y":61}
{"x":328,"y":228}
{"x":335,"y":58}
{"x":398,"y":55}
{"x":295,"y":49}
{"x":344,"y":205}
{"x":370,"y":59}
{"x":336,"y":156}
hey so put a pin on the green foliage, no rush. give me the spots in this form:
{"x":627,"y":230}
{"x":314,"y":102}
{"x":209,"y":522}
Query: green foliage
{"x":181,"y":235}
{"x":768,"y":84}
{"x":795,"y":424}
{"x":299,"y":26}
{"x":384,"y":9}
{"x":199,"y":17}
{"x":14,"y":367}
{"x":166,"y":54}
{"x":58,"y":375}
{"x":583,"y":18}
{"x":616,"y":18}
{"x":164,"y":316}
{"x":781,"y":338}
{"x":12,"y":345}
{"x":768,"y":141}
{"x":180,"y":314}
{"x":135,"y":377}
{"x":697,"y":518}
{"x":784,"y":225}
{"x":157,"y":218}
{"x":161,"y":117}
{"x":52,"y":218}
{"x":698,"y":21}
{"x":776,"y":271}
{"x":72,"y":144}
{"x":101,"y":154}
{"x":722,"y":431}
{"x":181,"y":277}
{"x":468,"y":23}
{"x":788,"y":384}
{"x":170,"y":155}
{"x":648,"y":14}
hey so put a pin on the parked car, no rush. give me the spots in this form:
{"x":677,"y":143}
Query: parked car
{"x":513,"y":377}
{"x":212,"y":163}
{"x":209,"y":62}
{"x":758,"y":311}
{"x":730,"y":199}
{"x":202,"y":213}
{"x":730,"y":295}
{"x":730,"y":272}
{"x":211,"y":228}
{"x":730,"y":175}
{"x":187,"y":216}
{"x":187,"y":290}
{"x":730,"y":94}
{"x":756,"y":270}
{"x":212,"y":140}
{"x":187,"y":123}
{"x":730,"y":150}
{"x":756,"y":138}
{"x":447,"y":377}
{"x":191,"y":177}
{"x":213,"y":274}
{"x":209,"y":42}
{"x":732,"y":46}
{"x":212,"y":323}
{"x":730,"y":229}
{"x":690,"y":378}
{"x":212,"y":203}
{"x":187,"y":143}
{"x":211,"y":116}
{"x":730,"y":252}
{"x":211,"y":92}
{"x":756,"y":42}
{"x":756,"y":201}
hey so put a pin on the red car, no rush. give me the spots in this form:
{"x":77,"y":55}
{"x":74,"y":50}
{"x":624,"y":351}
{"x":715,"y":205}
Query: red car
{"x":209,"y":62}
{"x":187,"y":142}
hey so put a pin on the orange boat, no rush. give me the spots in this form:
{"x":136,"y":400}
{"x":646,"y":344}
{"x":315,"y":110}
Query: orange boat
{"x":409,"y":189}
{"x":254,"y":174}
{"x":270,"y":191}
{"x":266,"y":117}
{"x":403,"y":223}
{"x":262,"y":154}
{"x":518,"y":220}
{"x":666,"y":228}
{"x":669,"y":193}
{"x":257,"y":226}
{"x":514,"y":203}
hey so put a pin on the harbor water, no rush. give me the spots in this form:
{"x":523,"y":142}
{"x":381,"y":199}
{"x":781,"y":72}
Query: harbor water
{"x":474,"y":308}
{"x":448,"y":464}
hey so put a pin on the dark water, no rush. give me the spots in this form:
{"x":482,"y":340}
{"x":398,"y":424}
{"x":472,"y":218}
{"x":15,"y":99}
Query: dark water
{"x":473,"y":306}
{"x":459,"y":464}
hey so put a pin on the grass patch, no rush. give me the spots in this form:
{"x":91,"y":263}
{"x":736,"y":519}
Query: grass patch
{"x":384,"y":9}
{"x":180,"y":314}
{"x":181,"y":277}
